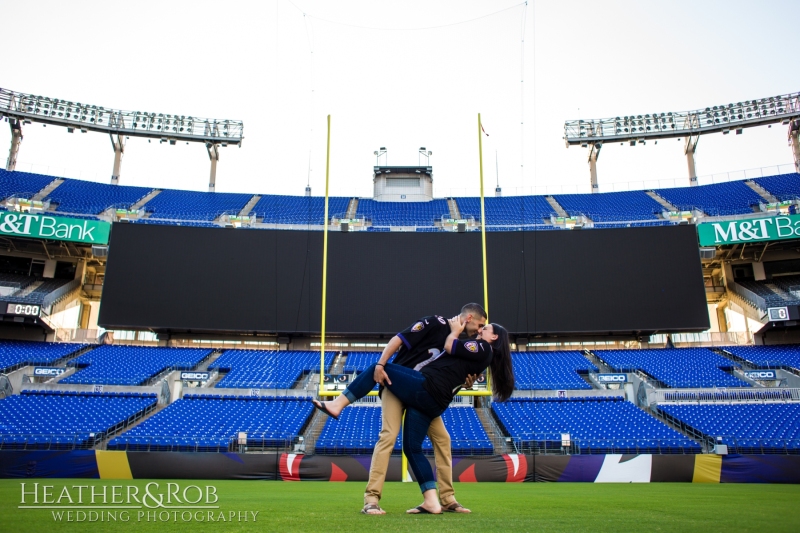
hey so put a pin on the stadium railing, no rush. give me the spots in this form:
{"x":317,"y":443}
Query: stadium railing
{"x":724,"y":396}
{"x":553,"y":444}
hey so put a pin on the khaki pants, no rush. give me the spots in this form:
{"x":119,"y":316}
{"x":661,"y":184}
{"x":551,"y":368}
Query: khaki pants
{"x":391,"y":421}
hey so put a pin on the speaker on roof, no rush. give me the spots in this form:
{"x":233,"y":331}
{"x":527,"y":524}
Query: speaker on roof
{"x":462,"y":227}
{"x":345,"y":227}
{"x":708,"y":253}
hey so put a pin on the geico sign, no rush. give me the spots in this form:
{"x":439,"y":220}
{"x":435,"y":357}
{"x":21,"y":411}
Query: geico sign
{"x":42,"y":371}
{"x":612,"y":378}
{"x":761,"y":374}
{"x":194,"y":376}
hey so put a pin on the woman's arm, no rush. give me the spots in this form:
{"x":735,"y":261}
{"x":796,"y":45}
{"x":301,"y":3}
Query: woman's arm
{"x":456,"y":327}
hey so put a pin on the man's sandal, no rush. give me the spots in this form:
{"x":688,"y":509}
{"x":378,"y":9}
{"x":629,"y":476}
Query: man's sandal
{"x":455,"y":507}
{"x":369,"y":507}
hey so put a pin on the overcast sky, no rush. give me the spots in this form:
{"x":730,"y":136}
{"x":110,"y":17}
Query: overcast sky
{"x":400,"y":75}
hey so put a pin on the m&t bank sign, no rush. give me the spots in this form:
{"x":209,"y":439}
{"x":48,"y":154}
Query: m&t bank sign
{"x":53,"y":227}
{"x":752,"y":230}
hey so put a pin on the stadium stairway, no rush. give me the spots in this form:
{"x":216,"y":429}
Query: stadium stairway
{"x":668,"y":206}
{"x":146,"y":198}
{"x":352,"y":208}
{"x":556,"y":206}
{"x":761,"y":191}
{"x":455,"y":213}
{"x":604,"y":368}
{"x":103,"y":444}
{"x":44,"y":193}
{"x":494,"y":431}
{"x":749,"y":309}
{"x":249,"y":205}
{"x":681,"y":428}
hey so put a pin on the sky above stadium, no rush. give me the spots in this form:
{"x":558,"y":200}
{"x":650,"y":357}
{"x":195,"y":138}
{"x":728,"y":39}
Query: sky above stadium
{"x":401,"y":75}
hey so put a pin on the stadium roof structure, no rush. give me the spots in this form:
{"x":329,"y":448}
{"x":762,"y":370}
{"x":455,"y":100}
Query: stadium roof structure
{"x":21,"y":108}
{"x":593,"y":133}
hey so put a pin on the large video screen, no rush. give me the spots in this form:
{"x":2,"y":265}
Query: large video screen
{"x":588,"y":282}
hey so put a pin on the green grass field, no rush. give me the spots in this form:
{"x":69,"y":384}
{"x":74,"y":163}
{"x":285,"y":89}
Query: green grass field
{"x":312,"y":506}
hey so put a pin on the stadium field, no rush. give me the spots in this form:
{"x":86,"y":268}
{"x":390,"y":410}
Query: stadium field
{"x":282,"y":506}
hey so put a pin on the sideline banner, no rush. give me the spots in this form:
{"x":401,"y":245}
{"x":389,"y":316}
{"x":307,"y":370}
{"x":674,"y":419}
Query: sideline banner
{"x":41,"y":226}
{"x":506,"y":468}
{"x":771,"y":228}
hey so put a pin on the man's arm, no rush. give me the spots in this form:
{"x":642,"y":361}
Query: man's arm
{"x":391,"y":347}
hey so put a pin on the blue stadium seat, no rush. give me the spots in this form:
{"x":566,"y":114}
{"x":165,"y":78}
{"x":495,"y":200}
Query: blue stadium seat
{"x":64,"y":421}
{"x":731,"y":198}
{"x":14,"y":354}
{"x":402,"y":213}
{"x":205,"y":424}
{"x":611,"y":207}
{"x":86,"y":197}
{"x":358,"y":427}
{"x":196,"y":206}
{"x":784,"y":187}
{"x":22,"y":184}
{"x":304,"y":210}
{"x":131,"y":365}
{"x":551,"y":370}
{"x":266,"y":369}
{"x":680,"y":367}
{"x":769,"y":356}
{"x":595,"y":425}
{"x":744,"y":427}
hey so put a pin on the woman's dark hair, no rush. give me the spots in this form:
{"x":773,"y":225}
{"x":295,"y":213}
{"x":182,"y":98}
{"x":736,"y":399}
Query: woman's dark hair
{"x":502,"y":369}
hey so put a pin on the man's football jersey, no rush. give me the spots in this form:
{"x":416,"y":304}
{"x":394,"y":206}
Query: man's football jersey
{"x":423,"y":342}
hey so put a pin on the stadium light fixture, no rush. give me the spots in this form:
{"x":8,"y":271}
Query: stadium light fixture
{"x":27,"y":108}
{"x":691,"y":125}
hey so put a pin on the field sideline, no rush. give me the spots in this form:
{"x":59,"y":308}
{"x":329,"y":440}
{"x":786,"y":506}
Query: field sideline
{"x":308,"y":506}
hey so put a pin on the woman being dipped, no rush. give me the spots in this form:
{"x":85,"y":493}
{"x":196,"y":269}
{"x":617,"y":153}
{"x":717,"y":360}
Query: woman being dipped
{"x":426,"y":393}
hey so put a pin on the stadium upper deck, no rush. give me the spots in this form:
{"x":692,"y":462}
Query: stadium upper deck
{"x":167,"y":206}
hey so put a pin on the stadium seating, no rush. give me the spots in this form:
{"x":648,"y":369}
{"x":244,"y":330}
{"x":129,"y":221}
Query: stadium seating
{"x":402,"y":213}
{"x":358,"y":361}
{"x":66,"y":420}
{"x":357,"y":429}
{"x":783,"y":186}
{"x":745,"y":428}
{"x":681,"y":367}
{"x":38,"y":294}
{"x":266,"y":369}
{"x":274,"y":209}
{"x":131,"y":365}
{"x":616,"y":209}
{"x":22,"y":184}
{"x":595,"y":425}
{"x":77,"y":196}
{"x":212,"y":424}
{"x":731,"y":198}
{"x":610,"y":207}
{"x":771,"y":298}
{"x":768,"y":356}
{"x":15,"y":354}
{"x":508,"y":210}
{"x":551,"y":370}
{"x":198,"y":206}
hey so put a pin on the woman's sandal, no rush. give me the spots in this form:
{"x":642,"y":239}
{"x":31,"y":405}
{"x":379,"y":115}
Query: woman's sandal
{"x":420,"y":510}
{"x":455,"y":507}
{"x":372,"y":507}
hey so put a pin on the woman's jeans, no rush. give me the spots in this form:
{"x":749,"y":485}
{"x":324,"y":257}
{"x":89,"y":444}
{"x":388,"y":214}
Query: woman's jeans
{"x":420,"y":410}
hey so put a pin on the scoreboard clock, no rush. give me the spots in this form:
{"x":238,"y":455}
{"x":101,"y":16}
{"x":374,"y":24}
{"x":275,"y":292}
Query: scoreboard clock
{"x":23,"y":309}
